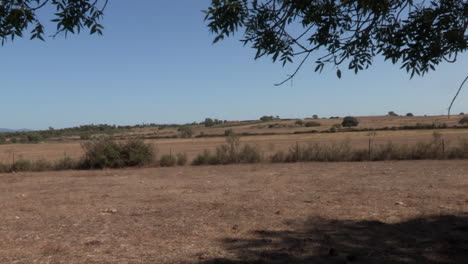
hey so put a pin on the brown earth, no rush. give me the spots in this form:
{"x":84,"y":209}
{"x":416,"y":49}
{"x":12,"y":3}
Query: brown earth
{"x":368,"y":212}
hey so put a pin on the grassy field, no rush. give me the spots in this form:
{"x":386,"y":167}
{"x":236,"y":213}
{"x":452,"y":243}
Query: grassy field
{"x":268,"y":143}
{"x":377,"y":212}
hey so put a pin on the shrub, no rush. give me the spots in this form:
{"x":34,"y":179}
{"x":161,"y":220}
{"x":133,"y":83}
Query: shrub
{"x":249,"y":154}
{"x":136,"y":152}
{"x":22,"y":165}
{"x":4,"y":168}
{"x":202,"y":159}
{"x":106,"y":153}
{"x":315,"y":117}
{"x":185,"y":131}
{"x":181,"y":159}
{"x":391,"y":113}
{"x":312,"y":124}
{"x":278,"y":157}
{"x":228,"y":132}
{"x":85,"y":136}
{"x":65,"y":163}
{"x":267,"y":118}
{"x":462,"y":113}
{"x":409,"y":114}
{"x":299,"y":122}
{"x":350,"y":121}
{"x":41,"y":165}
{"x":167,"y":160}
{"x":463,"y":121}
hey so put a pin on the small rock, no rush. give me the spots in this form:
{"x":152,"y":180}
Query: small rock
{"x":277,"y":212}
{"x":400,"y":203}
{"x":110,"y":211}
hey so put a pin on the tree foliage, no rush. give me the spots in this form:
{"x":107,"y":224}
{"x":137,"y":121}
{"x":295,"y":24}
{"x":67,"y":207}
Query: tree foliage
{"x":350,"y":121}
{"x":418,"y":35}
{"x":18,"y":17}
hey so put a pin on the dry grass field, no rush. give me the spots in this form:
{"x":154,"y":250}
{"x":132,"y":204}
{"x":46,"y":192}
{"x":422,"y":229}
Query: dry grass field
{"x":359,"y":212}
{"x":369,"y":212}
{"x":268,"y":144}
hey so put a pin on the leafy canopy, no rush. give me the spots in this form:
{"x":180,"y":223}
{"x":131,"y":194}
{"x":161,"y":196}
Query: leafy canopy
{"x":18,"y":17}
{"x":346,"y":33}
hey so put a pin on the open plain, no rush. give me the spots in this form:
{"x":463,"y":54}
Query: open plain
{"x":368,"y":212}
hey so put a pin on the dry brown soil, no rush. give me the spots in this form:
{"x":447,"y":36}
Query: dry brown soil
{"x":381,"y":212}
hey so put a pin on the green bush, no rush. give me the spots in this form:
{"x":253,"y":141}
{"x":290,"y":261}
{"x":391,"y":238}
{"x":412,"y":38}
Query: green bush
{"x":315,"y":117}
{"x":181,"y":159}
{"x":202,"y":159}
{"x":106,"y":153}
{"x":167,"y":160}
{"x":22,"y":165}
{"x":350,"y":121}
{"x":136,"y":152}
{"x":312,"y":124}
{"x":65,"y":163}
{"x":228,"y":132}
{"x":42,"y":165}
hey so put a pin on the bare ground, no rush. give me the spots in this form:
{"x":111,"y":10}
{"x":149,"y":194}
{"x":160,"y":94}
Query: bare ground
{"x":381,"y":212}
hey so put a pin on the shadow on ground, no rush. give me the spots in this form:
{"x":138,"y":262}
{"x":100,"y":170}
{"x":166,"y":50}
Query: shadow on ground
{"x":428,"y":240}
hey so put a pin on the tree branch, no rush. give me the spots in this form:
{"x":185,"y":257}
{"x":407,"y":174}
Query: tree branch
{"x":456,"y":95}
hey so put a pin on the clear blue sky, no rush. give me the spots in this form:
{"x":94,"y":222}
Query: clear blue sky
{"x":156,"y":64}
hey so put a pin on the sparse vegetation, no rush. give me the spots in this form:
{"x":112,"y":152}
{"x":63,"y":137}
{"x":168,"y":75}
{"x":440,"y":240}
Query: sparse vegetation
{"x":392,"y":113}
{"x":228,"y":132}
{"x":409,"y":114}
{"x":350,"y":121}
{"x":312,"y":124}
{"x":167,"y":160}
{"x":268,"y":118}
{"x":463,"y":121}
{"x":299,"y":122}
{"x":181,"y":159}
{"x":185,"y":131}
{"x":315,"y":117}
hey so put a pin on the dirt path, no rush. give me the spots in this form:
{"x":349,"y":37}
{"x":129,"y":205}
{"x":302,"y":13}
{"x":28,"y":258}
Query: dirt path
{"x":382,"y":212}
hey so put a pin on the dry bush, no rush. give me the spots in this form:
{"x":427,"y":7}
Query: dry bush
{"x":181,"y":159}
{"x":167,"y":160}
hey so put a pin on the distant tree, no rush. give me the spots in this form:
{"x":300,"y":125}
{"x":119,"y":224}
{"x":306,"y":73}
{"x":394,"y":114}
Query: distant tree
{"x":350,"y":121}
{"x":409,"y":114}
{"x":185,"y":131}
{"x":391,"y":113}
{"x":312,"y":124}
{"x":209,"y":122}
{"x":462,"y":113}
{"x":266,"y":118}
{"x":315,"y":117}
